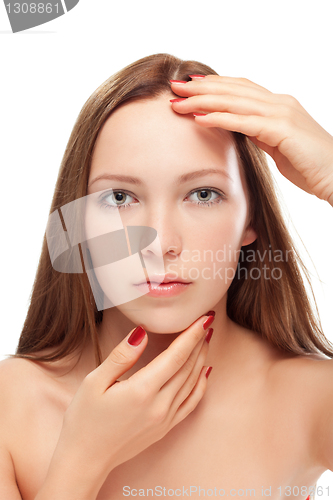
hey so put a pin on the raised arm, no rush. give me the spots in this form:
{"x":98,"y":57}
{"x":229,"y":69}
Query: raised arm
{"x":277,"y":123}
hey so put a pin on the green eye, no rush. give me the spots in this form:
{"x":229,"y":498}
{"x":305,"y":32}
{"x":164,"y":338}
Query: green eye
{"x":116,"y":197}
{"x":206,"y":198}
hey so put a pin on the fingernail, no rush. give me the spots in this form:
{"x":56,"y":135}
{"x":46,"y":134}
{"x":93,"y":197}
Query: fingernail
{"x":137,"y":336}
{"x":198,"y":114}
{"x":208,"y":322}
{"x":209,"y":369}
{"x":210,"y":313}
{"x":197,"y":76}
{"x":209,"y":335}
{"x":177,"y":81}
{"x":178,"y":100}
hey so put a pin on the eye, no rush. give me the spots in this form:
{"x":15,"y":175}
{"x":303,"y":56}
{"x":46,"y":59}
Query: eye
{"x":115,"y":200}
{"x":205,"y":196}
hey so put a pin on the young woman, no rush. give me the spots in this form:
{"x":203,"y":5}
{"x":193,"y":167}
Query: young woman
{"x":169,"y":145}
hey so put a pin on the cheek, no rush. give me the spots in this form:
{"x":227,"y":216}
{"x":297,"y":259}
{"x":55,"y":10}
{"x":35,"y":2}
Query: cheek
{"x":215,"y":249}
{"x":225,"y":227}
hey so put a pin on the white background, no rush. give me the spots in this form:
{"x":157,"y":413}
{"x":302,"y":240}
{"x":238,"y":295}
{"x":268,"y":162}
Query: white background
{"x":48,"y":72}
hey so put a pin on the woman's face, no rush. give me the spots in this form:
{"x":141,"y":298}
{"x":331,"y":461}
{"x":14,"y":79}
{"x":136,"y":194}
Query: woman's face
{"x":200,"y":215}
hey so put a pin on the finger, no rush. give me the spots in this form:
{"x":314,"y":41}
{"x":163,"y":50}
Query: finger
{"x":192,"y":401}
{"x":182,"y":383}
{"x":225,"y":103}
{"x":269,"y":130}
{"x":177,"y":381}
{"x":203,"y":86}
{"x":119,"y":361}
{"x":166,"y":364}
{"x":208,"y":85}
{"x":232,"y":80}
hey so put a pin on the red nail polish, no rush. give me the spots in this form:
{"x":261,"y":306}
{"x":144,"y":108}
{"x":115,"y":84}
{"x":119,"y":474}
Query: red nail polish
{"x":208,"y":322}
{"x":177,"y":81}
{"x":210,"y":313}
{"x":209,"y":369}
{"x":137,"y":336}
{"x":197,"y":76}
{"x":209,"y":335}
{"x":198,"y":114}
{"x":178,"y":100}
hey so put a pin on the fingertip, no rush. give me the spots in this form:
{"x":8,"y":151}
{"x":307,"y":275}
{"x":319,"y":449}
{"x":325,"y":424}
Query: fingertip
{"x":178,"y":99}
{"x":177,"y":81}
{"x":136,"y":336}
{"x":197,"y":76}
{"x":204,"y":120}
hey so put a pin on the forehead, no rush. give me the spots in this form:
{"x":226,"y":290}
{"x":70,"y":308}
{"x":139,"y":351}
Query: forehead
{"x":150,"y":131}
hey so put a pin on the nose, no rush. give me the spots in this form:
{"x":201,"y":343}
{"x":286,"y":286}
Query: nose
{"x":169,"y":234}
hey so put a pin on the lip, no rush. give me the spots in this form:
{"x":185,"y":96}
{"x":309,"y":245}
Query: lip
{"x":169,"y":289}
{"x":162,"y":279}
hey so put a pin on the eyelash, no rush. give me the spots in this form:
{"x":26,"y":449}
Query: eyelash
{"x":202,"y":203}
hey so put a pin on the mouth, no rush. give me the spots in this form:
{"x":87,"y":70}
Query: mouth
{"x":163,"y":289}
{"x":160,"y":280}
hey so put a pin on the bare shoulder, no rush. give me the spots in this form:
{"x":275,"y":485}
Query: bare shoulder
{"x":17,"y":378}
{"x":313,"y":365}
{"x":13,"y":368}
{"x":308,"y":371}
{"x":20,"y":381}
{"x":308,"y":382}
{"x":34,"y":377}
{"x":31,"y":410}
{"x":24,"y":386}
{"x":322,"y":373}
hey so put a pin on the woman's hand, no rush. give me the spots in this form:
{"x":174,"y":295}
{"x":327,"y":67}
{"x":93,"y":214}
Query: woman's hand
{"x":277,"y":123}
{"x":108,"y":423}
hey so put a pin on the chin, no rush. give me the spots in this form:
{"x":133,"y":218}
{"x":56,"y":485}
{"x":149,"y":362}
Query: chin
{"x":161,"y":331}
{"x":161,"y":320}
{"x":166,"y":327}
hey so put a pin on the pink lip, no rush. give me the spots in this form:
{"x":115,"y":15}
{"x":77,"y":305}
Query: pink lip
{"x":164,"y":289}
{"x":167,"y":278}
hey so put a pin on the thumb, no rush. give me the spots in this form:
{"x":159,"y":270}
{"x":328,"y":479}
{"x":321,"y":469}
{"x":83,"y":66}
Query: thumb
{"x":122,"y":357}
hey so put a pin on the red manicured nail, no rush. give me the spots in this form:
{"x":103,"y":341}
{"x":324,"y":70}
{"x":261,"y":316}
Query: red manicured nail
{"x":209,"y":369}
{"x":177,"y":81}
{"x":178,"y":100}
{"x":208,"y":322}
{"x":197,"y":76}
{"x":210,"y":313}
{"x":137,"y":336}
{"x":198,"y":114}
{"x":209,"y":335}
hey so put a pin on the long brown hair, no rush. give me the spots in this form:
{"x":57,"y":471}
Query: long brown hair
{"x":62,"y":313}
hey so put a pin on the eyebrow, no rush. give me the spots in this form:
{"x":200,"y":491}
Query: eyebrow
{"x":181,"y":179}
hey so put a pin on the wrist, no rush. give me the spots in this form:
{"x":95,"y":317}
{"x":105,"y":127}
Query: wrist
{"x":67,"y":487}
{"x":69,"y":477}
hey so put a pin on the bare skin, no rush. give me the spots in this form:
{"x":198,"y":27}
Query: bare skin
{"x":256,"y":426}
{"x":239,"y":436}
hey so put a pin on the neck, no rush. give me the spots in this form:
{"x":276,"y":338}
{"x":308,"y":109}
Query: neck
{"x":115,"y":327}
